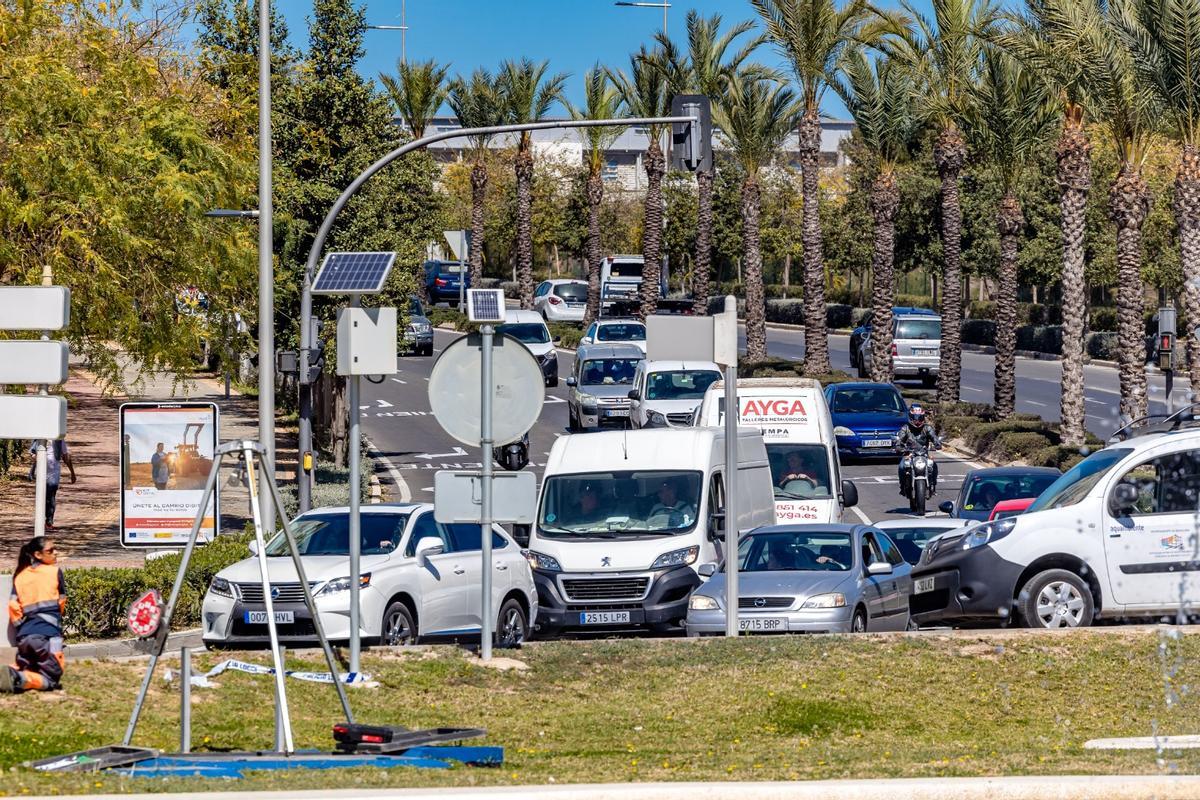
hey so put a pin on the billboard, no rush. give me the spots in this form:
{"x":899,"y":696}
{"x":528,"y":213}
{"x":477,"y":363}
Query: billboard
{"x":167,"y":451}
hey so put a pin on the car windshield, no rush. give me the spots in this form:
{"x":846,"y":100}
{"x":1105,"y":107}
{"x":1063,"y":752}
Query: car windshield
{"x":625,"y":269}
{"x":1073,"y":486}
{"x":918,"y":329}
{"x":329,"y":535}
{"x":608,"y":371}
{"x":624,"y":332}
{"x":867,"y":400}
{"x":414,"y":308}
{"x":619,"y":504}
{"x":796,"y":551}
{"x":572,"y":292}
{"x":984,"y":491}
{"x":680,"y":384}
{"x":527,"y":332}
{"x":799,"y":471}
{"x":912,"y":540}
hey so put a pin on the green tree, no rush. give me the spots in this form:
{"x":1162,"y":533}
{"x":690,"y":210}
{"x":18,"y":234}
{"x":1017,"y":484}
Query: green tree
{"x":417,"y":91}
{"x":478,"y":104}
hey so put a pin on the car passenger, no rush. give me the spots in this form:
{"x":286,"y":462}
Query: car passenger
{"x":669,"y":503}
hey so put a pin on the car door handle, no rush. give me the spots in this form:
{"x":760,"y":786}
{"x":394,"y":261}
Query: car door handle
{"x":501,"y":567}
{"x":459,"y":570}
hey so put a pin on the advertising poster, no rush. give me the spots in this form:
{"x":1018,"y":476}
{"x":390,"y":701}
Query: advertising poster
{"x":167,"y":451}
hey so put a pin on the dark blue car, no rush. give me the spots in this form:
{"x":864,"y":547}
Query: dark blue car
{"x":860,"y":333}
{"x":442,"y":279}
{"x":866,"y":418}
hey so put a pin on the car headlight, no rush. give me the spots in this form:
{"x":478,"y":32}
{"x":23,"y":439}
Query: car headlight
{"x":842,"y":430}
{"x":541,"y":561}
{"x":988,"y":532}
{"x":702,"y":602}
{"x":420,"y":327}
{"x":343,"y":585}
{"x":830,"y":600}
{"x":656,"y":418}
{"x":677,"y":558}
{"x":222,"y":588}
{"x":589,"y":402}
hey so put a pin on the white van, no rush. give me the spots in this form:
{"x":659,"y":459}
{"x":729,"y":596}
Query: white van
{"x":1114,"y":536}
{"x":626,"y":518}
{"x":798,"y":431}
{"x":620,"y":280}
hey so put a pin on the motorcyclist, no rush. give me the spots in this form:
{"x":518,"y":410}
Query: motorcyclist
{"x":917,"y":434}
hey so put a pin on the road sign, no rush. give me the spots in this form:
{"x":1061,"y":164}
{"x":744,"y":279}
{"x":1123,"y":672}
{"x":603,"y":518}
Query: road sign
{"x":353,"y":273}
{"x":458,"y":497}
{"x":33,"y":361}
{"x":145,"y":614}
{"x":35,"y":308}
{"x":32,"y":416}
{"x":679,"y":338}
{"x":460,"y":243}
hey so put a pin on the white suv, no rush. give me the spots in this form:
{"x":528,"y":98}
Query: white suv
{"x":669,"y":392}
{"x":420,"y":579}
{"x":1115,"y":536}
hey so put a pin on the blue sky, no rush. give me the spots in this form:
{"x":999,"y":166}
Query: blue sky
{"x":572,"y":34}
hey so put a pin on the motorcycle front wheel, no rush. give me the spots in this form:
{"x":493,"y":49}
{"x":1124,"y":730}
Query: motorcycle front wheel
{"x":919,"y":491}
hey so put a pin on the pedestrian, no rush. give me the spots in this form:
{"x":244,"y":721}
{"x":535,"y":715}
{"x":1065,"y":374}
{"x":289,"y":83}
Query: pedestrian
{"x":160,"y":468}
{"x":56,"y":456}
{"x":36,"y":606}
{"x":125,"y":473}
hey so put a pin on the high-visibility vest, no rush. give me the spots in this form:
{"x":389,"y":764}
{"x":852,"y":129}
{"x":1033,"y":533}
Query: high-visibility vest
{"x":38,"y":596}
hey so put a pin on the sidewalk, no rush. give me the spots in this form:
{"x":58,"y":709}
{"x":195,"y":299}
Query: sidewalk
{"x":88,"y":517}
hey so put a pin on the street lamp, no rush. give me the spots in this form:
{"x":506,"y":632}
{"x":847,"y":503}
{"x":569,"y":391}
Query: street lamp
{"x":402,"y":27}
{"x":663,"y":6}
{"x":232,"y":212}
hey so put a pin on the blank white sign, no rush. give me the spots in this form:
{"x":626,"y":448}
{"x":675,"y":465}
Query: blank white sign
{"x":34,"y":308}
{"x":33,"y":362}
{"x":457,"y":497}
{"x":32,"y":416}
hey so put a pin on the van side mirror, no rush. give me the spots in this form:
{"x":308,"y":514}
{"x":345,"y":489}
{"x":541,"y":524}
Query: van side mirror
{"x":879,"y":568}
{"x":716,"y":525}
{"x":849,"y":494}
{"x":634,"y":394}
{"x":571,"y":381}
{"x":947,"y":507}
{"x":520,"y":534}
{"x":428,"y":547}
{"x":1124,"y":499}
{"x":707,"y":569}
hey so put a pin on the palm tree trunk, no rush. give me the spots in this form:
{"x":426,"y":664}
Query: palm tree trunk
{"x":1187,"y":215}
{"x":885,"y":202}
{"x":1074,"y":181}
{"x":1009,"y":222}
{"x":479,"y":181}
{"x":523,"y":166}
{"x":652,"y":230}
{"x":756,"y":309}
{"x":595,"y":195}
{"x":1128,"y":206}
{"x":949,"y":154}
{"x":816,"y":344}
{"x":701,"y":281}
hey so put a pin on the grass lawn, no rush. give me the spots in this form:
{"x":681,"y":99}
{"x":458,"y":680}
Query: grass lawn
{"x":770,"y":708}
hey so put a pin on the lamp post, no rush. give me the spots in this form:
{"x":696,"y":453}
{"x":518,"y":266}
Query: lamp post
{"x":402,"y":27}
{"x":663,"y":6}
{"x":227,"y":213}
{"x":266,"y":271}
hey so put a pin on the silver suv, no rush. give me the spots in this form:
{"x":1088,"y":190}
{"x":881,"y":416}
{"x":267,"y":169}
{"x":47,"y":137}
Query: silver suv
{"x":916,"y":347}
{"x":600,"y":384}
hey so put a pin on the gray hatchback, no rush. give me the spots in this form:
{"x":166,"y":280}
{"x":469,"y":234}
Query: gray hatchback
{"x":809,"y":579}
{"x":599,"y":385}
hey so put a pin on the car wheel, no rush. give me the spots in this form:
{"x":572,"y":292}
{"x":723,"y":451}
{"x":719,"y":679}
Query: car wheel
{"x":862,"y":369}
{"x":1056,"y":598}
{"x":398,"y":627}
{"x":552,"y":382}
{"x":572,"y":422}
{"x":858,"y":623}
{"x":511,"y":626}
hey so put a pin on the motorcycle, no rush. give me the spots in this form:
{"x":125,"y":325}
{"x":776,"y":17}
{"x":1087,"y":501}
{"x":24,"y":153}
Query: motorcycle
{"x":918,"y":465}
{"x":514,"y":455}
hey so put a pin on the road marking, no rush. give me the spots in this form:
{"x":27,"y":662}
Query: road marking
{"x":552,"y":399}
{"x":397,"y":380}
{"x":865,"y":519}
{"x":397,"y":478}
{"x":383,"y":403}
{"x":458,"y":451}
{"x":1035,"y":403}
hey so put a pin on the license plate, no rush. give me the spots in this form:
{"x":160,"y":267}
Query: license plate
{"x":617,"y":412}
{"x":918,"y":351}
{"x":603,"y":617}
{"x":763,"y":624}
{"x":877,"y":443}
{"x":260,"y":618}
{"x":923,"y":585}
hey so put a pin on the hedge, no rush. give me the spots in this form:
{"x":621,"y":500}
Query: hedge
{"x":566,"y":334}
{"x":979,"y":331}
{"x":785,"y":368}
{"x":447,"y":316}
{"x":1102,"y":345}
{"x":1020,"y":444}
{"x":1040,"y":338}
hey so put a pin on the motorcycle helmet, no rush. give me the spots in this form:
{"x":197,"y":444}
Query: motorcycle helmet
{"x":916,"y":416}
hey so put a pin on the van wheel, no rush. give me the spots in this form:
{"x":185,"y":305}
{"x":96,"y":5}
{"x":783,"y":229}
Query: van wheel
{"x":1056,"y":598}
{"x":858,"y":624}
{"x":572,"y":422}
{"x":511,"y":626}
{"x":398,"y":627}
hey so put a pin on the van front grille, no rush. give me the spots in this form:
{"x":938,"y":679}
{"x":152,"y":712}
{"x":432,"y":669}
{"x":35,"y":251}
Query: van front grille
{"x":584,"y":589}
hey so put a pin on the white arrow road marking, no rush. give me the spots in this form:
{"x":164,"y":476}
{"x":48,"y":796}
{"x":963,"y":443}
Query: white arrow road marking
{"x":383,"y":403}
{"x":458,"y":451}
{"x":552,"y":399}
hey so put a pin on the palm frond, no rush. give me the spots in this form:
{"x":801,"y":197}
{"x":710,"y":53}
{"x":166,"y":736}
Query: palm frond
{"x":601,"y":101}
{"x":755,"y":116}
{"x":417,"y":91}
{"x":477,"y":102}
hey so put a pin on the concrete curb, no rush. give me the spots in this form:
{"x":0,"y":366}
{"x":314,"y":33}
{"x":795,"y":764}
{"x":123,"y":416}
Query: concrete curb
{"x":128,"y":648}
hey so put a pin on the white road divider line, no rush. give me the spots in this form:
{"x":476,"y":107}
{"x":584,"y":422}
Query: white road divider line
{"x":858,"y":512}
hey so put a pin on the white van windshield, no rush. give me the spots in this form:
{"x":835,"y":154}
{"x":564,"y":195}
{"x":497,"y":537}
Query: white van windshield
{"x":612,"y":505}
{"x":799,"y":471}
{"x":1076,"y":482}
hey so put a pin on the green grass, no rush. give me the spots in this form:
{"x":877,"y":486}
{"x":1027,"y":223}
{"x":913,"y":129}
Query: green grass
{"x":634,"y":710}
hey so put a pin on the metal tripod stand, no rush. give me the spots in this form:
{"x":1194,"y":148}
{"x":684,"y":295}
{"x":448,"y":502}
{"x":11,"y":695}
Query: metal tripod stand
{"x":247,"y":450}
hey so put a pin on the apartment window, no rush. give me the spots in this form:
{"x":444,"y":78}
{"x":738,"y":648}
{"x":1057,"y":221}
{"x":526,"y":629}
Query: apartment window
{"x":609,"y":172}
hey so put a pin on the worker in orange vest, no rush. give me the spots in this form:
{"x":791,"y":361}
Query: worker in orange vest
{"x":39,"y":597}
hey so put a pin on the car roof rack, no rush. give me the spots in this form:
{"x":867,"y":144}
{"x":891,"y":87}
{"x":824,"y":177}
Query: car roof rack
{"x":1158,"y":423}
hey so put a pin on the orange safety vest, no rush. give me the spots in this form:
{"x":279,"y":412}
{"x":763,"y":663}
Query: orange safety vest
{"x":38,"y":600}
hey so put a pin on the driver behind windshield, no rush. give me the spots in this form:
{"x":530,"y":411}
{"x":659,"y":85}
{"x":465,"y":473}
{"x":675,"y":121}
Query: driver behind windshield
{"x":589,"y":510}
{"x":670,"y":504}
{"x":797,"y":470}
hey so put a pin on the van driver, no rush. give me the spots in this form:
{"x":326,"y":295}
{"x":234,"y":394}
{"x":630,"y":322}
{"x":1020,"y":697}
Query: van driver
{"x":670,"y":504}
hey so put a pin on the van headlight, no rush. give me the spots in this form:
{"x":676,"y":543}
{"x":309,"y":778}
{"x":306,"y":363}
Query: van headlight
{"x":842,"y":430}
{"x":988,"y":532}
{"x":589,"y":403}
{"x":677,"y":558}
{"x":222,"y":588}
{"x":702,"y":602}
{"x":342,"y":585}
{"x":541,"y":561}
{"x":830,"y":600}
{"x":656,"y":419}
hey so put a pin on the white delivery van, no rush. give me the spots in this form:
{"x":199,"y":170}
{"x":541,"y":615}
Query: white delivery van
{"x":620,"y":280}
{"x":798,"y":431}
{"x":626,"y":518}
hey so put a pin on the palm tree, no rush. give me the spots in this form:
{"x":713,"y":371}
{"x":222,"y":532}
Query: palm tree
{"x":1011,"y":119}
{"x":417,"y":90}
{"x":645,"y":92}
{"x":944,"y":53}
{"x":477,"y":104}
{"x":879,"y":100}
{"x":1164,"y":38}
{"x":601,"y":101}
{"x":812,"y":35}
{"x":755,"y":117}
{"x":706,"y":71}
{"x":528,"y":96}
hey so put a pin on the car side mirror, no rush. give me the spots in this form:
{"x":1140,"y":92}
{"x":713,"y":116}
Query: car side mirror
{"x":572,"y":382}
{"x":879,"y":568}
{"x":707,"y":569}
{"x":634,"y":394}
{"x":1124,"y":499}
{"x":428,"y":547}
{"x":947,"y":507}
{"x":557,"y":340}
{"x":849,"y":494}
{"x":253,"y":545}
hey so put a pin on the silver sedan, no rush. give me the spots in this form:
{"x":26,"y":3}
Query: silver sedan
{"x":809,"y":579}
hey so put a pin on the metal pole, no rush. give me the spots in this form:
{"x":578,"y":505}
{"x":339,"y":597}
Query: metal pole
{"x":403,"y":32}
{"x":266,"y":273}
{"x":732,"y":413}
{"x":462,"y":269}
{"x":185,"y":700}
{"x":355,"y":520}
{"x":485,"y":509}
{"x":42,"y":454}
{"x":279,"y":742}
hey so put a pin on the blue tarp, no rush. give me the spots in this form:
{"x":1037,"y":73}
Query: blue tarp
{"x":235,"y":765}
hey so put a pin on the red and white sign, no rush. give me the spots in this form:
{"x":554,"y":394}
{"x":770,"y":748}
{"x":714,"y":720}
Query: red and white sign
{"x":145,"y":614}
{"x":780,"y":410}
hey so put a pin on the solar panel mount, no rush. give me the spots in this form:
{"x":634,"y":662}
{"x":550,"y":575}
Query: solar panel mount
{"x":353,"y":273}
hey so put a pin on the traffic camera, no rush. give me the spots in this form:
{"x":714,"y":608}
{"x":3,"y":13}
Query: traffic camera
{"x":691,"y":142}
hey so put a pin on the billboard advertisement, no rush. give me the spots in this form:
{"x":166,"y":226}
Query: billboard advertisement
{"x":167,"y":451}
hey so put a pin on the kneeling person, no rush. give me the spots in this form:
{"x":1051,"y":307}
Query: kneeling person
{"x":39,"y":597}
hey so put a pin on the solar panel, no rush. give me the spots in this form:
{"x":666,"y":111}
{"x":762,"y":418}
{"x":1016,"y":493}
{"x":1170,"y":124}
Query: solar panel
{"x":485,"y":305}
{"x":353,"y":273}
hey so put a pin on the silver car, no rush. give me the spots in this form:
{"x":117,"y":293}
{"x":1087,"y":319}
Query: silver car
{"x":916,"y":348}
{"x":599,"y":385}
{"x":809,"y":579}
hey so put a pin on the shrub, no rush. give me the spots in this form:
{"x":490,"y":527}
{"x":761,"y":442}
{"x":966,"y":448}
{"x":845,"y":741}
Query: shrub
{"x":979,"y":331}
{"x":447,"y":316}
{"x":511,"y":288}
{"x":331,"y":486}
{"x":1102,"y":318}
{"x":1040,"y":338}
{"x":489,"y":283}
{"x":1102,"y":345}
{"x":914,"y":301}
{"x":1059,"y":456}
{"x":861,"y":316}
{"x":838,"y":315}
{"x":981,"y":309}
{"x":955,"y":426}
{"x":785,"y":368}
{"x":1012,"y":445}
{"x":980,"y":437}
{"x":788,"y":312}
{"x":567,"y":334}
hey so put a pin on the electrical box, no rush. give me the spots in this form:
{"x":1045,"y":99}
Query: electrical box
{"x":1166,"y":337}
{"x":366,"y":341}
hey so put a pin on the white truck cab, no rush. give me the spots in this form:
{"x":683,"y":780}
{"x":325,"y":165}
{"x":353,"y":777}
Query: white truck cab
{"x":794,"y":420}
{"x":1114,"y":536}
{"x":626,"y":518}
